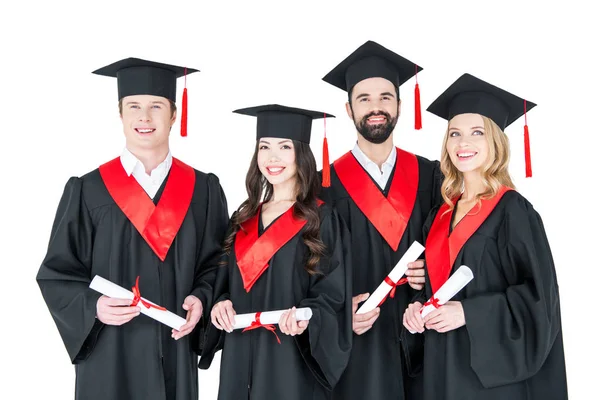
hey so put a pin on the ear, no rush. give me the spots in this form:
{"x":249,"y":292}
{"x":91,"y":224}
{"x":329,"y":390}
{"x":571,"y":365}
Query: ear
{"x":399,"y":107}
{"x":349,"y":110}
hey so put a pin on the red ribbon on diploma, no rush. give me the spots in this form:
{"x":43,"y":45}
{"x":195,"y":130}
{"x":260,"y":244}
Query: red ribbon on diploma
{"x":137,"y":297}
{"x":432,"y":302}
{"x":394,"y":285}
{"x":257,"y":324}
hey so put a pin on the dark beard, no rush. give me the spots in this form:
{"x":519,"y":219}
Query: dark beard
{"x":376,"y":134}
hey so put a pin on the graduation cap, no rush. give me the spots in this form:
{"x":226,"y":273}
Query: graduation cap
{"x":469,"y":94}
{"x":372,"y":60}
{"x":274,"y":120}
{"x":136,"y":76}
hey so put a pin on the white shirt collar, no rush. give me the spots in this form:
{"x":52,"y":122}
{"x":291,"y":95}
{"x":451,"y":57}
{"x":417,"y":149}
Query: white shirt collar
{"x":130,"y":163}
{"x":365,"y":161}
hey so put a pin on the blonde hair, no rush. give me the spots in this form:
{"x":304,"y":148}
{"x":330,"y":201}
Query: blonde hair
{"x":494,"y":170}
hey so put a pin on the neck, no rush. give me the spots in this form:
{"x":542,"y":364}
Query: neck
{"x":378,"y":153}
{"x":473,"y":185}
{"x":151,"y":158}
{"x":284,"y":191}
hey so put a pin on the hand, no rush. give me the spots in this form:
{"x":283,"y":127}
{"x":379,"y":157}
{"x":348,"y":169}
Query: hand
{"x":416,"y":274}
{"x":193,"y":305}
{"x":222,"y":315}
{"x":289,"y":325}
{"x":412,"y":318}
{"x":362,"y":322}
{"x":448,"y":317}
{"x":115,"y":311}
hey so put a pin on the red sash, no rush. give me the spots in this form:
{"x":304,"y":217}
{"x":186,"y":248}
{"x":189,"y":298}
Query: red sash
{"x":159,"y":224}
{"x":389,"y":215}
{"x":442,"y":249}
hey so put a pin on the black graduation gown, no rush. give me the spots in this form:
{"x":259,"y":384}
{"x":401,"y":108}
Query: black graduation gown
{"x":376,"y":369}
{"x":253,"y":364}
{"x":511,"y":346}
{"x":92,"y":236}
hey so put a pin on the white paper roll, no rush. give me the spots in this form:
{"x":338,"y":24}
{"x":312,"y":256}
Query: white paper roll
{"x":113,"y":290}
{"x":448,"y":290}
{"x":412,"y":254}
{"x":269,"y":317}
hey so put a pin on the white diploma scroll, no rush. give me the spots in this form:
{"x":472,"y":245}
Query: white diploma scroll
{"x":412,"y":254}
{"x":110,"y":289}
{"x":453,"y":285}
{"x":269,"y":317}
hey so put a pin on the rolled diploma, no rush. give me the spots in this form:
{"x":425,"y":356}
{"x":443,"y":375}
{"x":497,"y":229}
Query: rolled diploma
{"x":269,"y":317}
{"x":110,"y":289}
{"x":413,"y":252}
{"x":453,"y":285}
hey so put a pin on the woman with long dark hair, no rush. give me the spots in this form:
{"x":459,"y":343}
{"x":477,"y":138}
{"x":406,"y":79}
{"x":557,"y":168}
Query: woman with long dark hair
{"x":285,"y":250}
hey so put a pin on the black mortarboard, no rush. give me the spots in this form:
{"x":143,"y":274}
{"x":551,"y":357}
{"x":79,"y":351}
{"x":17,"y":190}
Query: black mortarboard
{"x":372,"y":60}
{"x":469,"y":94}
{"x":278,"y":121}
{"x":136,"y":76}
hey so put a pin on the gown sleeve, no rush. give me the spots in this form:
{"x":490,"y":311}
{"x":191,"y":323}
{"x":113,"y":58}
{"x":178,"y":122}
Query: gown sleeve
{"x":326,"y":343}
{"x":512,"y":332}
{"x":65,"y":274}
{"x":210,"y":248}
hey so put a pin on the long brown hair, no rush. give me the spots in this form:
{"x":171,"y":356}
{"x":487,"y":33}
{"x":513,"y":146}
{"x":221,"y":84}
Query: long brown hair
{"x":494,"y":171}
{"x":307,"y":186}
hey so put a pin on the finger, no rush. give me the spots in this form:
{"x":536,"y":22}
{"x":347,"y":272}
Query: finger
{"x":368,"y":323}
{"x":431,"y":315}
{"x":416,"y":321}
{"x":303,"y":325}
{"x":366,"y":316}
{"x":293,"y":322}
{"x":416,"y":279}
{"x":116,"y":302}
{"x":224,"y":319}
{"x":215,"y":322}
{"x":416,"y":286}
{"x":231,"y":315}
{"x":120,"y":310}
{"x":434,"y":320}
{"x":282,"y":323}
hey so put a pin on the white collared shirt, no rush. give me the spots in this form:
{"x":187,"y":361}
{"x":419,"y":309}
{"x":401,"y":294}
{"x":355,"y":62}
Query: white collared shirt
{"x":150,"y":183}
{"x":381,"y":176}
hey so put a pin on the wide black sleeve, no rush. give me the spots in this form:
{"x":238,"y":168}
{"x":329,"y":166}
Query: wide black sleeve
{"x":212,"y":339}
{"x":512,"y":332}
{"x":65,"y":274}
{"x":436,"y":184}
{"x":210,"y":248}
{"x":327,"y":342}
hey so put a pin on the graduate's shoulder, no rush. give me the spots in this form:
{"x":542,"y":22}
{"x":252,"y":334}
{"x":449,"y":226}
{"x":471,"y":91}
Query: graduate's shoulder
{"x":512,"y":200}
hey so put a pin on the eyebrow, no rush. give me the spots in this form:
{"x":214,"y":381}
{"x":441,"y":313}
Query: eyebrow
{"x":267,"y":142}
{"x":388,"y":94}
{"x":473,"y":127}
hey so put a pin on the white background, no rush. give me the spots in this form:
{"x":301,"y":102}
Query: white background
{"x":59,"y":120}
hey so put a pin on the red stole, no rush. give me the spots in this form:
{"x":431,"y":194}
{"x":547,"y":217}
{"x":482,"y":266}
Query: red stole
{"x":253,"y":252}
{"x":441,"y":249}
{"x":158,"y":224}
{"x":389,"y":215}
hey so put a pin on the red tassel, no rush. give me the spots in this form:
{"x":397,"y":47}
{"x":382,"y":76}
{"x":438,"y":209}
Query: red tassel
{"x":528,"y":172}
{"x":326,"y":172}
{"x":418,"y":124}
{"x":326,"y":181}
{"x":184,"y":105}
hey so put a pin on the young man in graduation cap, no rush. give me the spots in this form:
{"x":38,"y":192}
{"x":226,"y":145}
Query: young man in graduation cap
{"x":147,"y":222}
{"x":384,"y":195}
